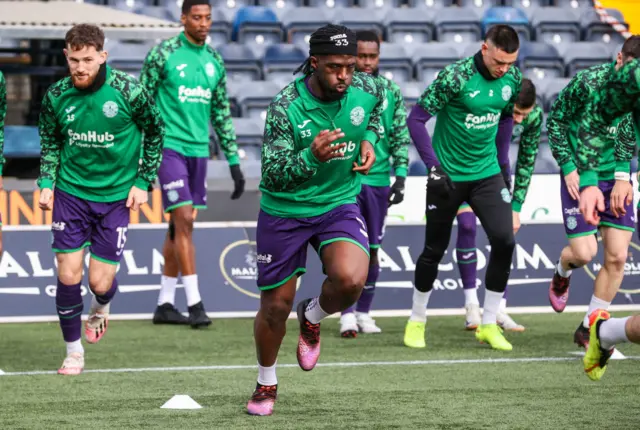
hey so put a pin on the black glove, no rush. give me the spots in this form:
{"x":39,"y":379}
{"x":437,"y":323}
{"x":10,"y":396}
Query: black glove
{"x":505,"y":174}
{"x":396,"y":194}
{"x":439,"y":182}
{"x":238,"y":181}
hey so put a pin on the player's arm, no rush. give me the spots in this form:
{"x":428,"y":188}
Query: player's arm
{"x":284,"y":168}
{"x":505,"y":127}
{"x":527,"y":153}
{"x":221,"y":119}
{"x":446,"y":86}
{"x":51,"y":142}
{"x":152,"y":73}
{"x":146,"y":115}
{"x":567,"y":107}
{"x":3,"y":114}
{"x":399,"y":135}
{"x":614,"y":99}
{"x":625,"y":144}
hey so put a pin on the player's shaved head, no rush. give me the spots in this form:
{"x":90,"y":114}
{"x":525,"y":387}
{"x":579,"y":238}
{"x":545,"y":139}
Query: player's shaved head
{"x":503,"y":37}
{"x":526,"y":101}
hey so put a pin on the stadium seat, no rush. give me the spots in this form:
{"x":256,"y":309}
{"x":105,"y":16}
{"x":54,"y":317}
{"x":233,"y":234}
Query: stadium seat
{"x":582,"y":55}
{"x":577,"y":5}
{"x":411,"y":92}
{"x":21,"y":141}
{"x":553,"y":88}
{"x":516,"y":18}
{"x":330,"y":4}
{"x":597,"y":31}
{"x":431,"y":58}
{"x":249,"y":131}
{"x":355,"y":19}
{"x":529,"y":7}
{"x":279,"y":7}
{"x":255,"y":97}
{"x":256,"y":25}
{"x":300,"y":22}
{"x":540,"y":61}
{"x":159,"y":12}
{"x":281,"y":60}
{"x":128,"y":56}
{"x":240,"y":62}
{"x":386,"y":5}
{"x":556,"y":25}
{"x":457,"y":25}
{"x":478,"y":6}
{"x":430,"y":4}
{"x":410,"y":25}
{"x":128,"y":5}
{"x":395,"y":62}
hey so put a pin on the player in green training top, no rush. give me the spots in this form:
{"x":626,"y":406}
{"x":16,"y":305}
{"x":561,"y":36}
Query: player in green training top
{"x":320,"y":135}
{"x":527,"y":118}
{"x":376,"y":195}
{"x":617,"y":220}
{"x":3,"y":114}
{"x":91,"y":128}
{"x":187,"y":78}
{"x":474,"y":100}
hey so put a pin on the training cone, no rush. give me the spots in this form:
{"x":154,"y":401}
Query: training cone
{"x":181,"y":401}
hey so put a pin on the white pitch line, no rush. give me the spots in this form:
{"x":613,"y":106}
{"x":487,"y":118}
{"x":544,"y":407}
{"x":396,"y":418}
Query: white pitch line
{"x":337,"y":364}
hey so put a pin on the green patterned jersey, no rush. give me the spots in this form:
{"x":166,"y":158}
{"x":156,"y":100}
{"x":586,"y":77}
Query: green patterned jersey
{"x":394,"y":138}
{"x":189,"y":85}
{"x":565,"y":118}
{"x":3,"y":114}
{"x":91,"y":142}
{"x":294,"y":183}
{"x":617,"y":97}
{"x":469,"y":108}
{"x":528,"y":132}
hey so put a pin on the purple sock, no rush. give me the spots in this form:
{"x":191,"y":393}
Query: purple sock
{"x":366,"y":298}
{"x":466,"y":249}
{"x":108,"y":296}
{"x":69,"y":306}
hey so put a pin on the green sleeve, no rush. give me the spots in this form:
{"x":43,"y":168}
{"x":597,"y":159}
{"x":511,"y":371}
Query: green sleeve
{"x":399,"y":137}
{"x":517,"y":85}
{"x":564,"y":110}
{"x":625,"y":144}
{"x":153,"y":69}
{"x":3,"y":114}
{"x":51,"y":141}
{"x":616,"y":98}
{"x":446,"y":86}
{"x":527,"y":153}
{"x":146,"y":116}
{"x":283,"y":169}
{"x":221,"y":118}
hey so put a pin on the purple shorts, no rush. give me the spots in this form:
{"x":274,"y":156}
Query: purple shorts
{"x":374,"y":203}
{"x":574,"y":223}
{"x":78,"y":223}
{"x":282,"y":242}
{"x":183,"y":180}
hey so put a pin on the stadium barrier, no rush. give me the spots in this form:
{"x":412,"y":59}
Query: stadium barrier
{"x":227,"y":268}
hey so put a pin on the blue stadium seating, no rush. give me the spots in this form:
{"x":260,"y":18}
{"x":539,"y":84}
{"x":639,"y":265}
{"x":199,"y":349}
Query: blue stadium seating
{"x":281,"y":60}
{"x":240,"y":62}
{"x":553,"y":88}
{"x":431,"y":58}
{"x":355,"y":19}
{"x":430,"y":4}
{"x":582,"y":55}
{"x":540,"y":61}
{"x":409,"y":25}
{"x":384,"y":5}
{"x":395,"y":62}
{"x":516,"y":18}
{"x":555,"y":25}
{"x":457,"y":25}
{"x":597,"y":31}
{"x":256,"y":25}
{"x":255,"y":97}
{"x":128,"y":56}
{"x":21,"y":141}
{"x":300,"y":22}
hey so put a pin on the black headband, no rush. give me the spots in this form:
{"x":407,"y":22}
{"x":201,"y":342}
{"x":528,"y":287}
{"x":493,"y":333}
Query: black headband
{"x":342,"y":42}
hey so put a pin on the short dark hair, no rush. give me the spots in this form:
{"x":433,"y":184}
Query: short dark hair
{"x":527,"y":96}
{"x":83,"y":35}
{"x":504,"y":37}
{"x":368,"y":36}
{"x":188,"y":4}
{"x":631,"y":48}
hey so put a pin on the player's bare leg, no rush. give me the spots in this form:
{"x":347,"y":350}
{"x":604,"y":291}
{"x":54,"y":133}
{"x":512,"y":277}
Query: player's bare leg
{"x":103,"y":284}
{"x":166,"y":312}
{"x":69,"y":307}
{"x":579,"y":252}
{"x":269,"y":329}
{"x":183,"y":219}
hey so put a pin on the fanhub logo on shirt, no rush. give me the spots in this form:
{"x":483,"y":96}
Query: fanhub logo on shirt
{"x":194,"y":95}
{"x":91,"y":139}
{"x":481,"y":122}
{"x":347,"y":151}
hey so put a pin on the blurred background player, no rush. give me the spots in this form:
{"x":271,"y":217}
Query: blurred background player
{"x":376,"y":195}
{"x":3,"y":114}
{"x":613,"y":178}
{"x":604,"y":334}
{"x":319,"y":136}
{"x":91,"y":127}
{"x":527,"y":117}
{"x":188,"y":81}
{"x":474,"y":99}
